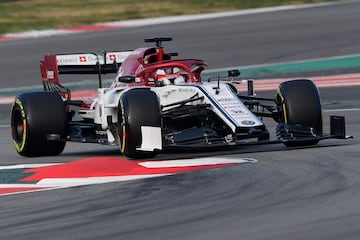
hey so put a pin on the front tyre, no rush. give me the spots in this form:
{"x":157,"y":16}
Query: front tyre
{"x":35,"y":119}
{"x":299,"y":102}
{"x":137,"y":107}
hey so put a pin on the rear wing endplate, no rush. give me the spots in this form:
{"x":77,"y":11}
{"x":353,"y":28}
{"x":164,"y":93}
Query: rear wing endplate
{"x":81,"y":63}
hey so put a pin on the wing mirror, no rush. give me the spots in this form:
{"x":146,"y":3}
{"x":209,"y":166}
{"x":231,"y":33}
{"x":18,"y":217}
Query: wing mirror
{"x":233,"y":73}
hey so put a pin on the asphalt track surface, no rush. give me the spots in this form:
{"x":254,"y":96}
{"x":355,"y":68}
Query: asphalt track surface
{"x":299,"y":193}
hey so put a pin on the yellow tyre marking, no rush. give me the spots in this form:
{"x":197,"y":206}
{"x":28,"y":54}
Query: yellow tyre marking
{"x":283,"y":104}
{"x":123,"y":136}
{"x":20,"y":147}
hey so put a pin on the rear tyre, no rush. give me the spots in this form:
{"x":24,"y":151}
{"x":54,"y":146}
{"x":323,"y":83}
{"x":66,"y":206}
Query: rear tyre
{"x":299,"y":101}
{"x":36,"y":117}
{"x":137,"y":107}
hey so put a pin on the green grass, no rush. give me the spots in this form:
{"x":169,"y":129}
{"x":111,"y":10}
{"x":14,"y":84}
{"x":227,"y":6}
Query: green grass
{"x":22,"y":15}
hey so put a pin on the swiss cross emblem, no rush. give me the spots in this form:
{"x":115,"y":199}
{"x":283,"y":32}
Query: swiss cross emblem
{"x":112,"y":57}
{"x":82,"y":59}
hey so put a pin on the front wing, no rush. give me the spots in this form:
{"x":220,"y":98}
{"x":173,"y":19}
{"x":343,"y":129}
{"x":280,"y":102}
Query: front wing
{"x":337,"y":131}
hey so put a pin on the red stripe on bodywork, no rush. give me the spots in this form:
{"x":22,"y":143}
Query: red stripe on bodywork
{"x":82,"y":94}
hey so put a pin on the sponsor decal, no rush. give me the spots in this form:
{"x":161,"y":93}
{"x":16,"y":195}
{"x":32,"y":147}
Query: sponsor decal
{"x":76,"y":59}
{"x":187,"y":90}
{"x":39,"y":177}
{"x":82,"y":58}
{"x":50,"y":74}
{"x":248,"y":122}
{"x":225,"y":99}
{"x":112,"y":57}
{"x":63,"y":60}
{"x":236,"y":111}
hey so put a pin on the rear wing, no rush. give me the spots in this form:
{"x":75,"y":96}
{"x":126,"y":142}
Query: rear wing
{"x":80,"y":63}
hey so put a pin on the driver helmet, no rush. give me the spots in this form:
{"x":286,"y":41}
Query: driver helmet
{"x":170,"y":76}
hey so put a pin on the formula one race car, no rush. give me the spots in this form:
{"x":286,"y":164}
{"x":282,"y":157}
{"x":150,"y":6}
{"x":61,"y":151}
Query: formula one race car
{"x":157,"y":103}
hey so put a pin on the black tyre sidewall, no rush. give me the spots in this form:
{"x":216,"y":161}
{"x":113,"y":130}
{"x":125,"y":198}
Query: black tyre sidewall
{"x":137,"y":107}
{"x":42,"y":113}
{"x":301,"y":105}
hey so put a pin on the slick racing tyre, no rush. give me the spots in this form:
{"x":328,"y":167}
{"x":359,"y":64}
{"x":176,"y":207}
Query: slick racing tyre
{"x":137,"y":107}
{"x":38,"y":122}
{"x":299,"y":102}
